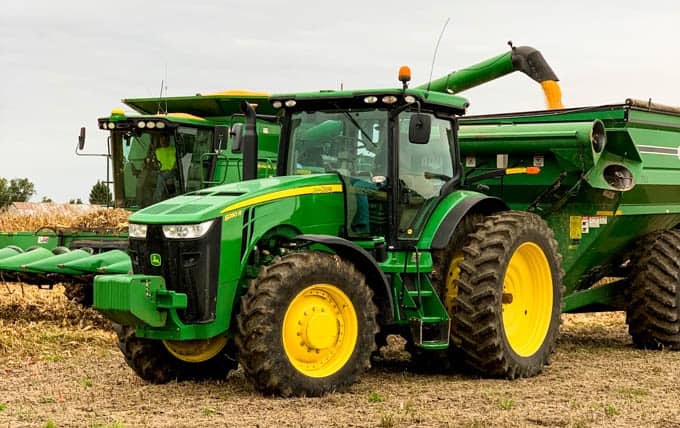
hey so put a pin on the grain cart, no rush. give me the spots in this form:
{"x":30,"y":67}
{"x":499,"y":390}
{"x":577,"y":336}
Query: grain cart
{"x":365,"y":229}
{"x":610,"y":189}
{"x":196,"y":129}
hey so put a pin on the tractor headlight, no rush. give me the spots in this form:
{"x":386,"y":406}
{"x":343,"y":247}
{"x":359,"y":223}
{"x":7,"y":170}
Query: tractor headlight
{"x":111,"y":125}
{"x":137,"y":230}
{"x":186,"y":231}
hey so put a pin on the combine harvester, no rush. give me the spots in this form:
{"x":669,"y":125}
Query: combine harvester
{"x":385,"y":218}
{"x":197,"y":130}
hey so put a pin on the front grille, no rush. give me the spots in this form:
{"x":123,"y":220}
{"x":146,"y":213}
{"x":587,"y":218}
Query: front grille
{"x":189,"y":266}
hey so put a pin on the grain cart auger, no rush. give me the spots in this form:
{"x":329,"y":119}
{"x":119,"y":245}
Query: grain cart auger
{"x":369,"y":227}
{"x":523,"y":58}
{"x":170,"y":146}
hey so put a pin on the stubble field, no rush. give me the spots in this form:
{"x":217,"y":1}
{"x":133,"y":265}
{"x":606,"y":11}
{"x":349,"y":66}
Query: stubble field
{"x":59,"y":366}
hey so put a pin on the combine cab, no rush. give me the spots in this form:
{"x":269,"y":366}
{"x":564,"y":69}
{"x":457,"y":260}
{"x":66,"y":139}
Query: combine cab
{"x":170,"y":147}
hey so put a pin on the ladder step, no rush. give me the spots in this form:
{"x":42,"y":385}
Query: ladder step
{"x":432,"y":320}
{"x":423,"y":293}
{"x":434,"y":344}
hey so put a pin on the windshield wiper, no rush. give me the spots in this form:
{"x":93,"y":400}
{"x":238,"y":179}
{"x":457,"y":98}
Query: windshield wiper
{"x":354,"y":122}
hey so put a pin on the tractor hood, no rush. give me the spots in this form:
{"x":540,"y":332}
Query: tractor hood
{"x":217,"y":201}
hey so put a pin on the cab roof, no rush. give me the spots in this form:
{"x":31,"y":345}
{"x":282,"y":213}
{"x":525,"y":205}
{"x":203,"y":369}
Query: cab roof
{"x":453,"y":103}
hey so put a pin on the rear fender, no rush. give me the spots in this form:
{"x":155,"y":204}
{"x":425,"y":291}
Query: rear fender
{"x":367,"y":265}
{"x":478,"y":204}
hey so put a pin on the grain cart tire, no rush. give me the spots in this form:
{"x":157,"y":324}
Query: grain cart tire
{"x":653,"y":315}
{"x":159,"y":361}
{"x":307,"y":326}
{"x":507,"y":308}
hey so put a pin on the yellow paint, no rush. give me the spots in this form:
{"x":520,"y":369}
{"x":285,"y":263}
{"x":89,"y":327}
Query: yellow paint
{"x":526,"y":318}
{"x":305,"y":190}
{"x":608,"y":213}
{"x":320,"y":330}
{"x":553,"y":94}
{"x":195,"y":351}
{"x":186,"y":116}
{"x":575,"y":227}
{"x":117,"y":112}
{"x":237,"y":93}
{"x":451,"y":291}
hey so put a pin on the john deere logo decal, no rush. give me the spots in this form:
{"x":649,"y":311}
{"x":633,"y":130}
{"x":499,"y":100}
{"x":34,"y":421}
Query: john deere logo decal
{"x":155,"y":259}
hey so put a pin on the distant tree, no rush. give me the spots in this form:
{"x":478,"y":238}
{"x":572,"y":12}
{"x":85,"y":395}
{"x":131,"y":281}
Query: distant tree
{"x":75,"y":201}
{"x":100,"y":194}
{"x":46,"y":199}
{"x":15,"y":190}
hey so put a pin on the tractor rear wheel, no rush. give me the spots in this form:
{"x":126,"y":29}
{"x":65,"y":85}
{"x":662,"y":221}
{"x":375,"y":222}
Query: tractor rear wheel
{"x":653,"y":314}
{"x":159,"y":361}
{"x":506,"y":310}
{"x":307,"y":326}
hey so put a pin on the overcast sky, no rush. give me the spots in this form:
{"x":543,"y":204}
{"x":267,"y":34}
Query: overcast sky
{"x":65,"y":63}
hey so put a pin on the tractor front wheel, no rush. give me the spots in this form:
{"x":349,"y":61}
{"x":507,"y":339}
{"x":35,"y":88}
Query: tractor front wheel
{"x":307,"y":326}
{"x":653,"y":314}
{"x":506,"y":307}
{"x":159,"y":361}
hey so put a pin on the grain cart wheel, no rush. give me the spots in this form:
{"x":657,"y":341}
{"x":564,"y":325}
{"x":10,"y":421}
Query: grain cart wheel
{"x":162,"y":361}
{"x":307,"y":326}
{"x":653,"y":315}
{"x":507,"y":303}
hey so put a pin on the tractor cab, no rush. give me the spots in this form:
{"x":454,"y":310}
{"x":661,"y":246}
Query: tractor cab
{"x":394,"y":150}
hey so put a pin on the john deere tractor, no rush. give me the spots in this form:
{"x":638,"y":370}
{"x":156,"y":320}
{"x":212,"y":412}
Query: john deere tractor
{"x":388,"y":214}
{"x":363,"y":230}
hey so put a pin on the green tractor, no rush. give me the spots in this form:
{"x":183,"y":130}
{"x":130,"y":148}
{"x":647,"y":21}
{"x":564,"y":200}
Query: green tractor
{"x":171,"y":146}
{"x":362,"y":232}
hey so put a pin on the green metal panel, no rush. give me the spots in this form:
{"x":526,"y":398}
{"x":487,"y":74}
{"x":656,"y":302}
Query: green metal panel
{"x":136,"y":300}
{"x":21,"y":261}
{"x":97,"y":261}
{"x":57,"y":263}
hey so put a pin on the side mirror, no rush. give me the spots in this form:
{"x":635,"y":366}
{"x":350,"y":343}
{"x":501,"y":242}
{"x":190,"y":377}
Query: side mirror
{"x":81,"y":139}
{"x":236,"y":138}
{"x":220,"y":137}
{"x":419,"y":128}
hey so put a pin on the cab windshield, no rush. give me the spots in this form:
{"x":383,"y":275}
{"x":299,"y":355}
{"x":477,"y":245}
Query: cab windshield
{"x":352,"y":143}
{"x":151,"y":166}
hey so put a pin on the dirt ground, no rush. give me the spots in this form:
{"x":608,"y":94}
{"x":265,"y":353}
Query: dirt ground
{"x":59,"y":366}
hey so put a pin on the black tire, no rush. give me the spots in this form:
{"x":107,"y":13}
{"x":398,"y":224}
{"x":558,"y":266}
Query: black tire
{"x":80,"y":292}
{"x":152,"y":361}
{"x":653,"y":313}
{"x":487,"y":344}
{"x":277,"y":291}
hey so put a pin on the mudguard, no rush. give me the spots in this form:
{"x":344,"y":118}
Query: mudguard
{"x":365,"y":262}
{"x":478,"y":204}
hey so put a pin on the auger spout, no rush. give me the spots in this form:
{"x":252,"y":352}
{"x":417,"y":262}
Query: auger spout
{"x":526,"y":59}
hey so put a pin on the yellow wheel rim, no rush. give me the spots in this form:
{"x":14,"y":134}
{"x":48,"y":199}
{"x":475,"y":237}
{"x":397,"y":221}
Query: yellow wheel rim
{"x":452,"y":275}
{"x":320,"y":330}
{"x":527,"y":299}
{"x":195,"y":351}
